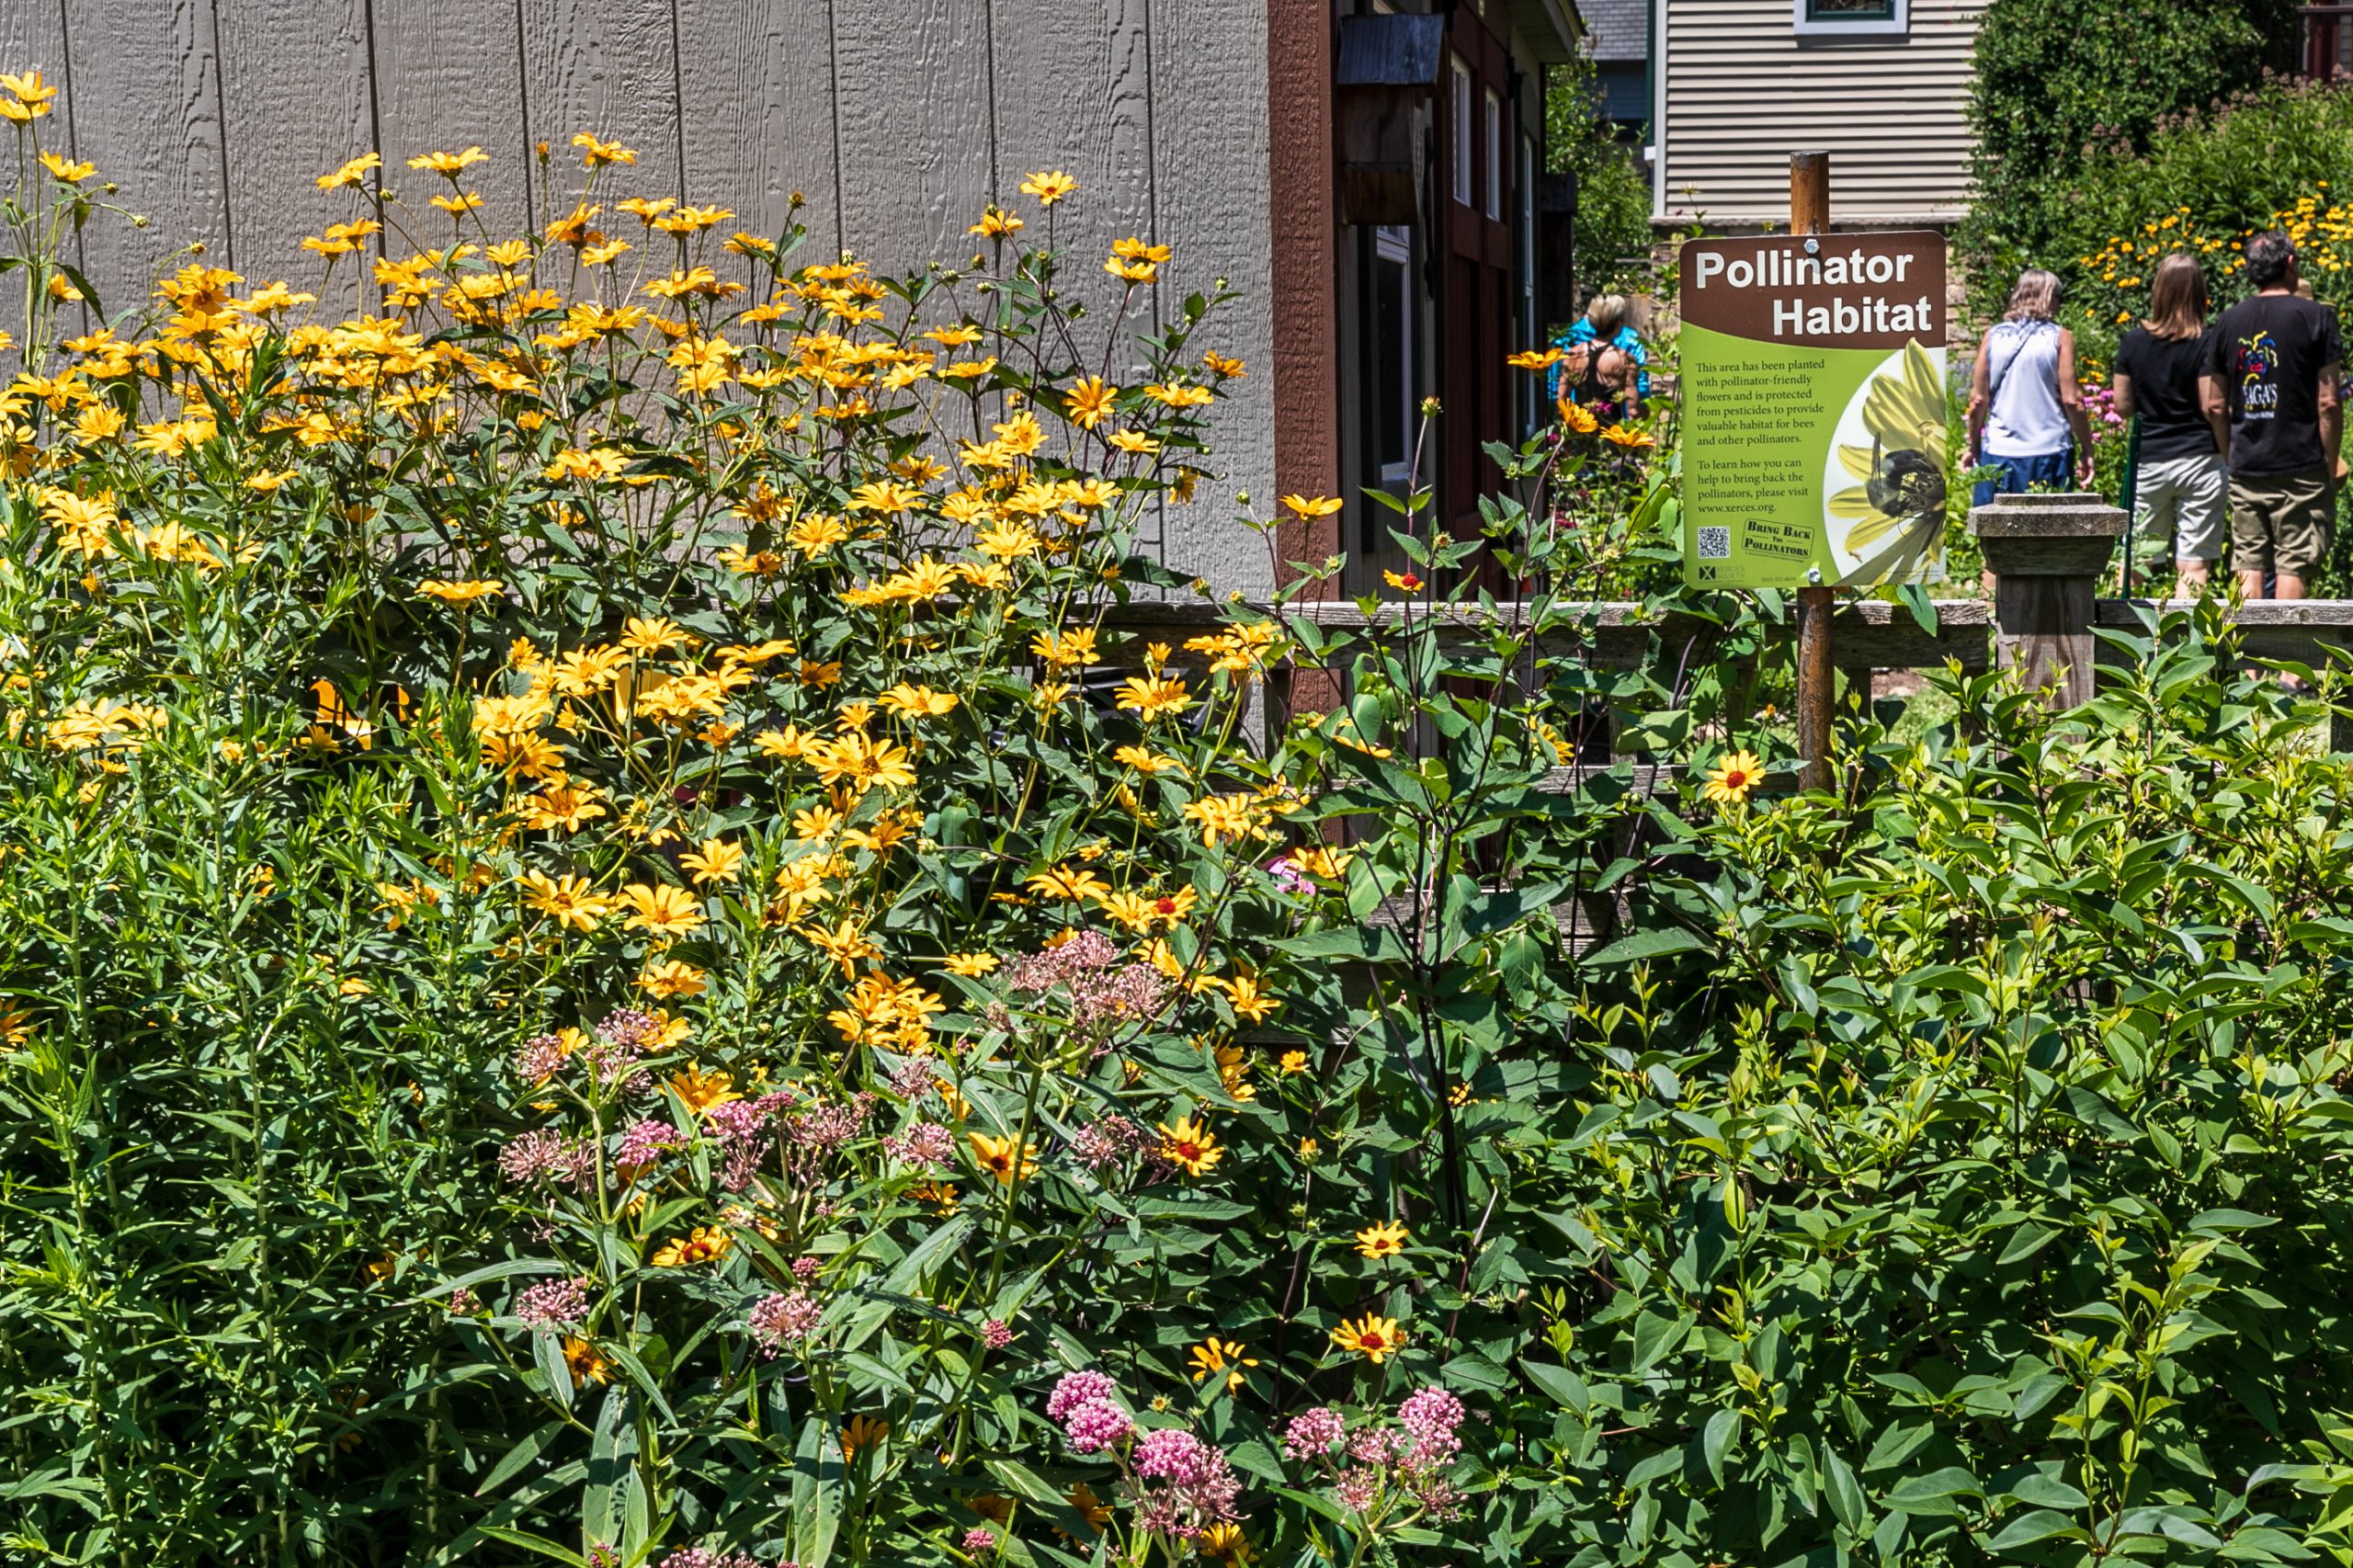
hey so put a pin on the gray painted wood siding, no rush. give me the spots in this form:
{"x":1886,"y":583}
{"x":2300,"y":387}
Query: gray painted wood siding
{"x":895,"y":120}
{"x":1742,"y":93}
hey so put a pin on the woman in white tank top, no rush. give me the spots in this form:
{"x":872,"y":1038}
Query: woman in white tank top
{"x":2025,"y":412}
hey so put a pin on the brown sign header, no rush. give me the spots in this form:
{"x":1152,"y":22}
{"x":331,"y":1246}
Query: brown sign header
{"x":1820,"y":290}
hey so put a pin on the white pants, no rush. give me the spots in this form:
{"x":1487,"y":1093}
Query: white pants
{"x":2187,"y":498}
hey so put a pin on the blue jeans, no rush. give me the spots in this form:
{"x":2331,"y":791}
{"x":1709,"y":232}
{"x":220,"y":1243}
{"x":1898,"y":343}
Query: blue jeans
{"x":2046,"y":471}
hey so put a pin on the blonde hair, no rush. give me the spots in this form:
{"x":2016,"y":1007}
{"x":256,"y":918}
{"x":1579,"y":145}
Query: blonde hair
{"x":1606,"y":312}
{"x":2178,"y":298}
{"x":2035,"y":297}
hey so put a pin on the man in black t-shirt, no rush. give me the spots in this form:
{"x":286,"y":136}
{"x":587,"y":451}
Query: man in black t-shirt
{"x":2270,"y":391}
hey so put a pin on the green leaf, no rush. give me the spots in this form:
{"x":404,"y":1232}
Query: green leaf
{"x":529,"y":1542}
{"x":2036,"y":1524}
{"x":1716,"y":1441}
{"x":1663,"y":942}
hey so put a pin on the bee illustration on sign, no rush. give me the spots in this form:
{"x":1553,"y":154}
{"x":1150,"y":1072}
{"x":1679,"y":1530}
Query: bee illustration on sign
{"x":1885,"y":501}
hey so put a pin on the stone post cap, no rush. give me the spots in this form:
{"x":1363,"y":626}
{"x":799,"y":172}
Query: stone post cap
{"x":2071,"y":516}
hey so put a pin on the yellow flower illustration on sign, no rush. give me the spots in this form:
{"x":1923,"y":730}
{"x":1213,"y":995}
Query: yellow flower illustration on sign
{"x":1891,"y":522}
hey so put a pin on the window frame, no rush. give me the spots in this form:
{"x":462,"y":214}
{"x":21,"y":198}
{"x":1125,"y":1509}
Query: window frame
{"x":1464,"y":89}
{"x":1831,"y":29}
{"x":1393,"y":246}
{"x":1495,"y":151}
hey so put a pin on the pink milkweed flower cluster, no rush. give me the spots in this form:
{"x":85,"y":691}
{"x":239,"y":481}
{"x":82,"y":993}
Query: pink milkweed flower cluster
{"x":788,"y":1318}
{"x":1189,"y":1484}
{"x":1385,"y":1465}
{"x":645,"y":1142}
{"x":554,"y":1303}
{"x":1180,"y":1485}
{"x":1087,"y":1406}
{"x":547,"y":1155}
{"x":1101,"y":1144}
{"x":927,"y":1143}
{"x":703,"y":1557}
{"x":1100,"y":994}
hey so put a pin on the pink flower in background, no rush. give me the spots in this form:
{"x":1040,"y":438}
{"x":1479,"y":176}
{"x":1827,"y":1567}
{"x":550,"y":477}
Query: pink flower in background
{"x":1312,"y":1433}
{"x":645,"y":1141}
{"x":996,"y":1334}
{"x":925,"y":1143}
{"x":805,"y":1268}
{"x":1075,"y":1389}
{"x":1096,"y":1425}
{"x":979,"y":1539}
{"x":1431,"y":1414}
{"x":1288,"y":876}
{"x":554,"y":1303}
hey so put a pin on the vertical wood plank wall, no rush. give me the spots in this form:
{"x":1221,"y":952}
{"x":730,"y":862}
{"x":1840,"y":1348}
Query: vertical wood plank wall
{"x":895,"y":121}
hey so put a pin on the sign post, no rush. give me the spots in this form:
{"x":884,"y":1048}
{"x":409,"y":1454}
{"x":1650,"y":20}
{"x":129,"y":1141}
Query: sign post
{"x":1814,"y":436}
{"x":1817,"y":677}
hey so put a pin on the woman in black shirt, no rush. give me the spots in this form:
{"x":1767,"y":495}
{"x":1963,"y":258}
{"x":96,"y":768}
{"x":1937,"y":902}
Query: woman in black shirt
{"x":2181,"y":487}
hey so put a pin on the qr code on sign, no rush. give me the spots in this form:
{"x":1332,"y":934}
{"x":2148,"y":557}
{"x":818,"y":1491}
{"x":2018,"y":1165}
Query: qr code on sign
{"x":1715,"y":544}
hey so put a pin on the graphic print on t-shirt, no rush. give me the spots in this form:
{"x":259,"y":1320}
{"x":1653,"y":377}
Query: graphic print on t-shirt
{"x":2258,"y":360}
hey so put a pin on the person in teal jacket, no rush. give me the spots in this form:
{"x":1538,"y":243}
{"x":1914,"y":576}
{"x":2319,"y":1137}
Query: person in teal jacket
{"x":1605,"y":321}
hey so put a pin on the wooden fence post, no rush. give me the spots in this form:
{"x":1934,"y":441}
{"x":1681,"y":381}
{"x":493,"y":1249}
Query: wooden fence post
{"x":2046,"y":554}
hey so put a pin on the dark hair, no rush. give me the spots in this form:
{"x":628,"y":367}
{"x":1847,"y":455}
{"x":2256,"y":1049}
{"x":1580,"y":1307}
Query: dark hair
{"x":2268,"y":256}
{"x":2178,"y":298}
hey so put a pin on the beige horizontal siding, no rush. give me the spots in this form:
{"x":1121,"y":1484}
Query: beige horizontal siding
{"x":1743,"y":93}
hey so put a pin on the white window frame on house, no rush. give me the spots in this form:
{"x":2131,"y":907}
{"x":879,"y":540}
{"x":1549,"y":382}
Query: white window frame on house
{"x":1830,"y":28}
{"x":1393,"y":246}
{"x":1495,"y":155}
{"x":1462,"y":130}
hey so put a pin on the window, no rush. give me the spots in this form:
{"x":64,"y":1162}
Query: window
{"x":1494,"y":154}
{"x":1392,"y":337}
{"x":1462,"y":133}
{"x":1830,"y":20}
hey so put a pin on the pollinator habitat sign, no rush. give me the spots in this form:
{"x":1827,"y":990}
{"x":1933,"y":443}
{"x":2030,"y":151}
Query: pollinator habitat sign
{"x":1813,"y":407}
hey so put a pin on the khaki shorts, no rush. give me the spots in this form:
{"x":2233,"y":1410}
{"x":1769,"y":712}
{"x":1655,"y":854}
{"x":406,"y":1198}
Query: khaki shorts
{"x":2182,"y":498}
{"x":2279,"y":522}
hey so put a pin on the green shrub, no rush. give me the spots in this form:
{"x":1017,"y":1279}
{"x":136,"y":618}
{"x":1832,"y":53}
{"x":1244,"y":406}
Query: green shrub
{"x":2052,"y":83}
{"x":1613,"y":218}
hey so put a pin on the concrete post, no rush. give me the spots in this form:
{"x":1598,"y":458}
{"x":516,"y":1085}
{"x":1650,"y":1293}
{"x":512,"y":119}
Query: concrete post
{"x":2046,"y":554}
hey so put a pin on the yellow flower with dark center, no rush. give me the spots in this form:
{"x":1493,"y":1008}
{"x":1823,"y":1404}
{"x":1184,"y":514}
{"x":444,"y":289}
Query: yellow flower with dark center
{"x":970,"y":964}
{"x":670,"y":979}
{"x":1578,"y":418}
{"x":1225,"y":1544}
{"x":702,"y":1092}
{"x":580,"y":1358}
{"x":1215,"y":1354}
{"x":464,"y":593}
{"x":1385,"y":1238}
{"x":1628,"y":437}
{"x":1153,"y":697}
{"x":863,"y":1432}
{"x":1536,"y":358}
{"x":1191,"y":1146}
{"x":1048,"y":188}
{"x":1374,"y":1337}
{"x":662,"y":909}
{"x":1731,"y":779}
{"x":1076,"y":886}
{"x":707,"y":1244}
{"x":567,"y":900}
{"x":998,"y":1158}
{"x":71,"y":173}
{"x":1090,"y":400}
